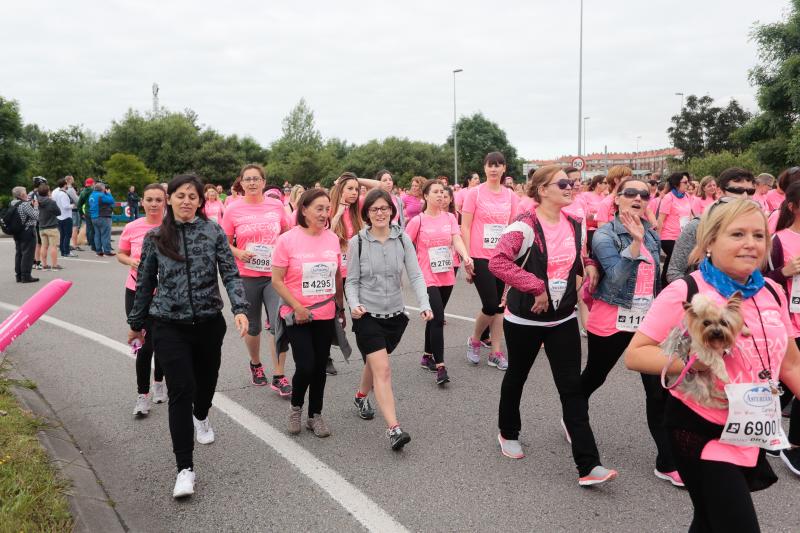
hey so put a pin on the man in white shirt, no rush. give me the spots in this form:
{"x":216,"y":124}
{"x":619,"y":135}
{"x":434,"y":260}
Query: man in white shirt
{"x":65,"y":204}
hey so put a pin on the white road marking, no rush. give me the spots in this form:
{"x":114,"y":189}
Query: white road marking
{"x":448,"y":315}
{"x":84,"y":260}
{"x":363,"y":509}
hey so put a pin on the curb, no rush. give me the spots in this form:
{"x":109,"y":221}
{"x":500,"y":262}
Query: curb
{"x":90,"y":504}
{"x":114,"y":231}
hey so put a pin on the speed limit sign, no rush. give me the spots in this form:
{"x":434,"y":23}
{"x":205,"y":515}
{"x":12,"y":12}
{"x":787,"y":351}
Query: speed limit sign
{"x":578,"y":163}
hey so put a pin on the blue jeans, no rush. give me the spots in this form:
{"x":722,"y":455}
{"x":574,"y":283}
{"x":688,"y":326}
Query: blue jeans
{"x":64,"y":235}
{"x":102,"y":234}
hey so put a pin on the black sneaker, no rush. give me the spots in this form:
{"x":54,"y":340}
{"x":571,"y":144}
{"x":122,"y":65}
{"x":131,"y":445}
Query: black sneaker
{"x":257,"y":375}
{"x":330,"y":369}
{"x":791,"y":458}
{"x":398,"y":438}
{"x":441,"y":376}
{"x":428,"y":362}
{"x":365,"y":410}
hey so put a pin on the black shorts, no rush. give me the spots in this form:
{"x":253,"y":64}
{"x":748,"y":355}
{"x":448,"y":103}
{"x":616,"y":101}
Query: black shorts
{"x":373,"y":334}
{"x":490,"y":288}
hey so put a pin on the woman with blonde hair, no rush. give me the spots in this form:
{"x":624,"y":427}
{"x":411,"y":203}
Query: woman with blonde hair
{"x":719,"y":460}
{"x":413,"y":198}
{"x":707,"y":195}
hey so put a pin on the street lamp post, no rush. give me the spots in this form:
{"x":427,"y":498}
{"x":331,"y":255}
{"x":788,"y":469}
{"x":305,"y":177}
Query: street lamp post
{"x":580,"y":81}
{"x":455,"y":133}
{"x":584,"y":135}
{"x":681,"y":111}
{"x":636,"y":155}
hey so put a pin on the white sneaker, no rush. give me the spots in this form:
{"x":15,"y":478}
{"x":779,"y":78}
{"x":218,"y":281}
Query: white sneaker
{"x":159,"y":391}
{"x":142,"y":405}
{"x":184,"y":484}
{"x":203,"y":431}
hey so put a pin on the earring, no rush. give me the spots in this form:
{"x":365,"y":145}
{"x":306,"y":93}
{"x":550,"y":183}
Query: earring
{"x":708,"y":254}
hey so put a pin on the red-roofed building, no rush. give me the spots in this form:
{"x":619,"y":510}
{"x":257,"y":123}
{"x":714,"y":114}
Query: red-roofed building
{"x":641,"y":162}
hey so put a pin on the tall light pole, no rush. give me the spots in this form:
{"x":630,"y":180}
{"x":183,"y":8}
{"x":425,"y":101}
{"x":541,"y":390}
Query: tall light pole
{"x":681,"y":111}
{"x":455,"y":133}
{"x":580,"y":82}
{"x":636,"y":155}
{"x":584,"y":135}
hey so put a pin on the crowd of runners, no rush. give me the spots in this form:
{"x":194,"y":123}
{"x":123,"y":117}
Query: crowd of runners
{"x":613,"y":258}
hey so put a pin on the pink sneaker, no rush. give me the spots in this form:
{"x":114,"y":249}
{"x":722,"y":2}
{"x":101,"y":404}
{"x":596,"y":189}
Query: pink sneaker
{"x":673,"y":477}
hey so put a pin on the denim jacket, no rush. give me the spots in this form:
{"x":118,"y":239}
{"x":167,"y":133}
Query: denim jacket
{"x":611,"y":249}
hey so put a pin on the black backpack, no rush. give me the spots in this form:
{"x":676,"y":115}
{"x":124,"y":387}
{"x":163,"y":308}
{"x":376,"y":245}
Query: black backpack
{"x":11,"y":220}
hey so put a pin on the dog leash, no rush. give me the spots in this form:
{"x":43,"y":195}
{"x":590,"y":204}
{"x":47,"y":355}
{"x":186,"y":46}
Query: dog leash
{"x":686,"y":370}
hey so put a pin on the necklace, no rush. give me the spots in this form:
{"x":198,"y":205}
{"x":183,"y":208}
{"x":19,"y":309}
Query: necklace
{"x":766,"y":371}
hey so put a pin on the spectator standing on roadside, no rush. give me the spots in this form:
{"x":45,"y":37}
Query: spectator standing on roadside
{"x":83,"y":210}
{"x":25,"y":240}
{"x":34,"y":195}
{"x":48,"y":228}
{"x":76,"y":216}
{"x":133,"y":202}
{"x":100,"y":208}
{"x":64,"y":203}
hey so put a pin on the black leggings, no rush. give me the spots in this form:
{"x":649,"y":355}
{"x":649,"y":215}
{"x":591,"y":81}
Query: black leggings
{"x":190,"y":355}
{"x":144,"y":357}
{"x":563,"y":349}
{"x":434,"y":329}
{"x":667,"y":247}
{"x":490,"y":288}
{"x":603,"y":354}
{"x":311,"y":347}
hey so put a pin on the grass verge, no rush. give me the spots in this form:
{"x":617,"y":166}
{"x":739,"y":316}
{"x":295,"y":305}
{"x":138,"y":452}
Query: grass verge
{"x":32,"y":497}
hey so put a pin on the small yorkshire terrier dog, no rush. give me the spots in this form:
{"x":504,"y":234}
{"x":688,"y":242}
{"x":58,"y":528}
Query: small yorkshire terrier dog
{"x":711,"y":331}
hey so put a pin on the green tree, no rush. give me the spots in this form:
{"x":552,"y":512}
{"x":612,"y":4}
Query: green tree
{"x":402,"y":157}
{"x":66,"y":151}
{"x":703,"y":128}
{"x":124,"y":170}
{"x":713,"y":164}
{"x":773,"y":135}
{"x":13,"y":155}
{"x":477,"y":136}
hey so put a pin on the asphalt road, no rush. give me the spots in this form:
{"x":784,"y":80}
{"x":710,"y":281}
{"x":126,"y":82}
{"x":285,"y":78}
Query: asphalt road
{"x":451,"y":477}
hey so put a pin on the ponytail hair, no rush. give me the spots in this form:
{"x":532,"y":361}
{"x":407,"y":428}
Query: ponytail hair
{"x":790,"y":203}
{"x":166,"y":238}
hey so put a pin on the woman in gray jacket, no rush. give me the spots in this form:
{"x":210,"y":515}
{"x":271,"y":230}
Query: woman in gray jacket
{"x":376,"y":258}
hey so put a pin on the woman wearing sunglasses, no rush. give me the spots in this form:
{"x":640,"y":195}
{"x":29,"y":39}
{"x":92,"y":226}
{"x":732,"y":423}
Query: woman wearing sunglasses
{"x":253,"y":225}
{"x":674,"y":212}
{"x":540,"y":310}
{"x":733,"y":183}
{"x":628,"y":251}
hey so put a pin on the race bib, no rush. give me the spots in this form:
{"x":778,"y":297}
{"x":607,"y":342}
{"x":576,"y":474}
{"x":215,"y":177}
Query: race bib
{"x":344,"y":258}
{"x":683,"y":221}
{"x":754,"y":417}
{"x":262,"y":260}
{"x":319,"y":279}
{"x":794,"y":298}
{"x":557,"y":289}
{"x":491,"y":234}
{"x":441,"y":259}
{"x":629,"y":319}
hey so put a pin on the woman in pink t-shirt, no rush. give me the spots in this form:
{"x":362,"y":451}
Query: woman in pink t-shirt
{"x":591,"y":200}
{"x":448,"y":204}
{"x":487,"y":210}
{"x":605,"y":209}
{"x":674,"y":212}
{"x":625,"y":249}
{"x":384,"y":180}
{"x":154,"y":200}
{"x":541,"y":257}
{"x":413,"y":198}
{"x":707,"y":195}
{"x":252,"y":225}
{"x":784,"y":268}
{"x":718,"y":458}
{"x":306,"y":274}
{"x":435,"y":234}
{"x":213,"y":208}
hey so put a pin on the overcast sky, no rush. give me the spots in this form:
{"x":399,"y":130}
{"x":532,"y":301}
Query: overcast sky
{"x":374,"y":69}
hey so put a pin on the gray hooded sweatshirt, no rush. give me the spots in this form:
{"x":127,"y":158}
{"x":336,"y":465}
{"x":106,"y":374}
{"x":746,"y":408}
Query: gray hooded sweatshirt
{"x":374,"y":275}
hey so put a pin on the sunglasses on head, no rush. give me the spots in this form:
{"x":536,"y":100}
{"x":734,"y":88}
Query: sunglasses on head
{"x":740,"y":190}
{"x":633,"y":193}
{"x":562,"y":183}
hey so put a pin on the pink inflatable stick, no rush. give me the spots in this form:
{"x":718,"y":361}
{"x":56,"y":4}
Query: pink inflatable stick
{"x":30,"y":311}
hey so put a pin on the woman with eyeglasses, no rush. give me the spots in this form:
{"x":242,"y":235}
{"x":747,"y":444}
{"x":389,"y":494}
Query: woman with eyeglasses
{"x":605,"y":210}
{"x":306,"y":266}
{"x":784,"y":268}
{"x":628,"y":252}
{"x":707,"y":195}
{"x":252,"y":225}
{"x":377,"y":257}
{"x":718,"y":448}
{"x":733,"y":183}
{"x":540,"y":256}
{"x":435,"y":234}
{"x":487,"y":210}
{"x":674,"y":212}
